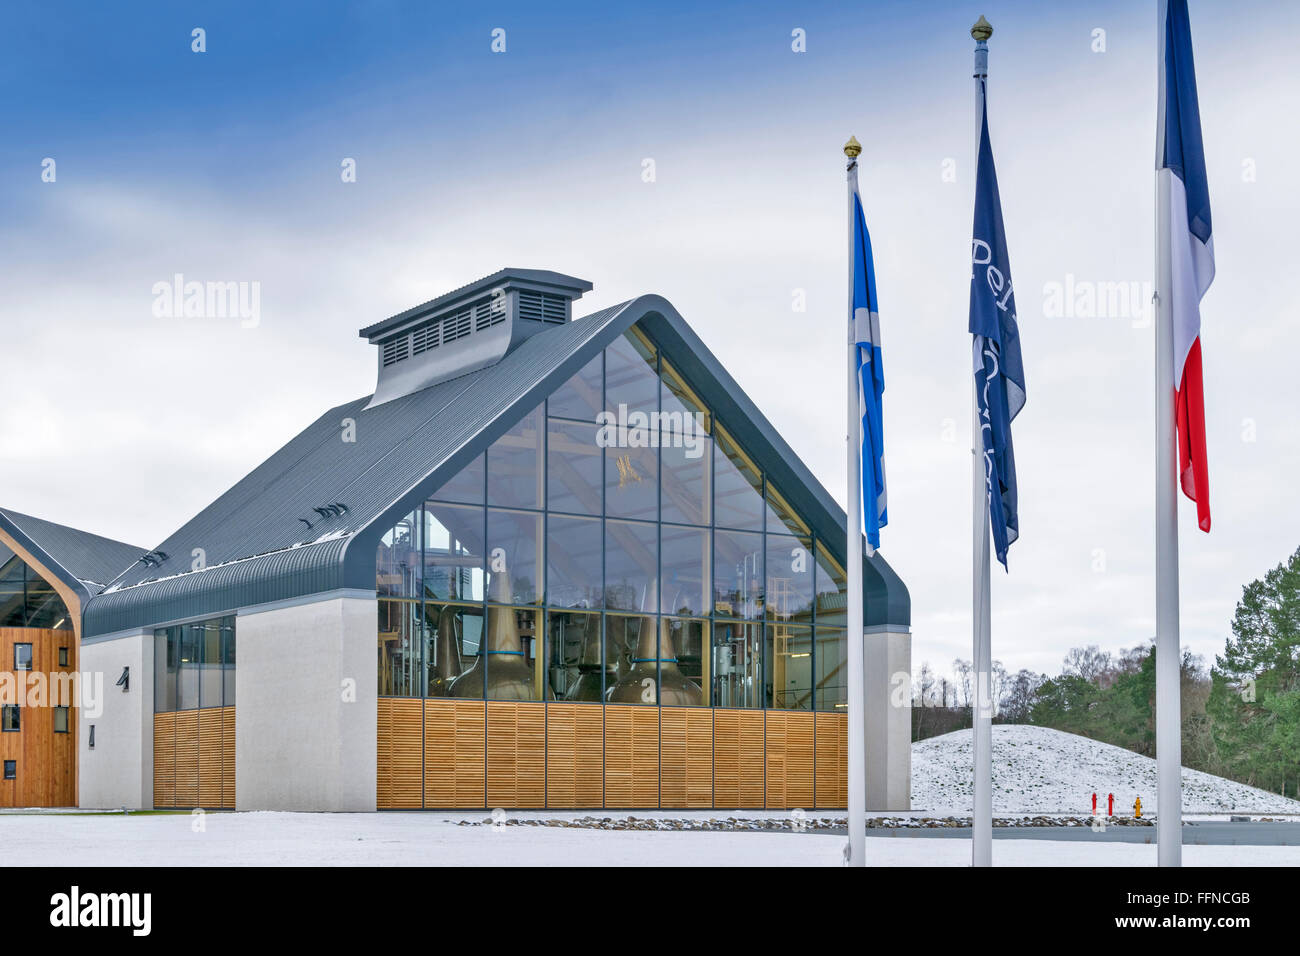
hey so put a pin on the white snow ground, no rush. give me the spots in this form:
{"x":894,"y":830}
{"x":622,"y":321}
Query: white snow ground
{"x":1038,"y":770}
{"x":430,"y":839}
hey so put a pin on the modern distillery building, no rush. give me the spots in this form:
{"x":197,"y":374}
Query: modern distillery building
{"x":550,"y":562}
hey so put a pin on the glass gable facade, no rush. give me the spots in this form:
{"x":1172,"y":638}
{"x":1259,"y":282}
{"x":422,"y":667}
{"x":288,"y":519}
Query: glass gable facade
{"x":26,"y":598}
{"x":616,"y":545}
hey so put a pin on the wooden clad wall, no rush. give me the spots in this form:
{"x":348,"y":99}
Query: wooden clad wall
{"x":631,"y":756}
{"x":45,"y":762}
{"x":194,"y":758}
{"x":400,"y":783}
{"x":789,"y":760}
{"x":164,"y":760}
{"x":451,"y":754}
{"x":455,"y":754}
{"x":738,"y":758}
{"x":832,"y":761}
{"x":575,"y":755}
{"x":686,"y":757}
{"x":516,"y":754}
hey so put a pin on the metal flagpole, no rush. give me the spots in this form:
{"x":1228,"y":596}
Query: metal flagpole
{"x":981,"y":613}
{"x":853,"y":532}
{"x":1169,"y":784}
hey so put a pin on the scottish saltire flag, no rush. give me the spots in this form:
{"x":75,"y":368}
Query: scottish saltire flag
{"x":999,"y":372}
{"x":871,"y":377}
{"x":1182,"y":159}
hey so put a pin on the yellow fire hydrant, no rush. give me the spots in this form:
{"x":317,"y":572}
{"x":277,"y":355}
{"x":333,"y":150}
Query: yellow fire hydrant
{"x":1137,"y":809}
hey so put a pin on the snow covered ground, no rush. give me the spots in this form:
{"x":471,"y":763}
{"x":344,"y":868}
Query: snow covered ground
{"x":434,"y":839}
{"x":1037,"y":770}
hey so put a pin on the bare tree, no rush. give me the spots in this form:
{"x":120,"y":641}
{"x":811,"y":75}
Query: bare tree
{"x":963,"y":671}
{"x":1089,"y":663}
{"x":1018,"y":700}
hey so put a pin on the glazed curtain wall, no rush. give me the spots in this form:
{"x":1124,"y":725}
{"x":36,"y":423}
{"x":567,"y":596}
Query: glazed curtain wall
{"x":194,"y":715}
{"x":616,"y":545}
{"x":26,"y":598}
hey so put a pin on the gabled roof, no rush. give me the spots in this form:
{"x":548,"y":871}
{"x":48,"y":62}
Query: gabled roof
{"x":85,"y":562}
{"x":262,"y":541}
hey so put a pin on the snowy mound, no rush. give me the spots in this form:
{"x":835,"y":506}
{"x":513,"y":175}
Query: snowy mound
{"x":1038,"y":770}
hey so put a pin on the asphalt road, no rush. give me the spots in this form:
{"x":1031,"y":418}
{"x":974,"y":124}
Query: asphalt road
{"x":1216,"y":833}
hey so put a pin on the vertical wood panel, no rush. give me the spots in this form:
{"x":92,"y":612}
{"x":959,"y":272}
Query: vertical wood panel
{"x":187,"y":758}
{"x":516,"y":754}
{"x":45,"y":762}
{"x":400,"y":754}
{"x":455,"y":754}
{"x":211,"y":745}
{"x":738,"y":758}
{"x":832,"y":761}
{"x":575,"y":745}
{"x":789,"y":751}
{"x":228,"y":758}
{"x":686,"y":757}
{"x":631,"y":756}
{"x":164,"y":760}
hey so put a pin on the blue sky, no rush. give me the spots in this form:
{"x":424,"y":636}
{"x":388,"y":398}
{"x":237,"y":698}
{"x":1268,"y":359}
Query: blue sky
{"x":225,"y":165}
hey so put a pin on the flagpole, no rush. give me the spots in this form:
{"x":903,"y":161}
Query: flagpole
{"x":981,"y":613}
{"x":857,"y":810}
{"x":1169,"y":789}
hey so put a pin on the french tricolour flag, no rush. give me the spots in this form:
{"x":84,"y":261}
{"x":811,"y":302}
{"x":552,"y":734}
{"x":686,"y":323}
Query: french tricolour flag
{"x":1181,"y":157}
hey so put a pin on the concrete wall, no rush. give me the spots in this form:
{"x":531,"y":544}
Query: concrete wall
{"x":119,"y":771}
{"x":305,"y":707}
{"x":887,"y":662}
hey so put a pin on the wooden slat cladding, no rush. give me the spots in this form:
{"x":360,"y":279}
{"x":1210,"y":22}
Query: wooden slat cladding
{"x":210,"y":757}
{"x":516,"y":754}
{"x":738,"y":758}
{"x":194,"y":759}
{"x":686,"y":757}
{"x":455,"y":754}
{"x":228,"y":758}
{"x":789,"y":760}
{"x":44,"y":761}
{"x":631,"y":756}
{"x":187,"y":758}
{"x":832,"y":761}
{"x":400,"y":754}
{"x":575,"y":753}
{"x":446,"y":754}
{"x":164,"y":760}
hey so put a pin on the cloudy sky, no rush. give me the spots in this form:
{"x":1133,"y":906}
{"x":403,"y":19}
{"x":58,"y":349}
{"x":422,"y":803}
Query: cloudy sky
{"x":226,"y":165}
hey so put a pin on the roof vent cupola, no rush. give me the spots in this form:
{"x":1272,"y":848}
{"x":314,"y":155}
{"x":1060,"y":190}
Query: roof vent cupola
{"x":468,"y":329}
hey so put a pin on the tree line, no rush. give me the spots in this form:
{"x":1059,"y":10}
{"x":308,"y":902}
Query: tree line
{"x":1240,"y":716}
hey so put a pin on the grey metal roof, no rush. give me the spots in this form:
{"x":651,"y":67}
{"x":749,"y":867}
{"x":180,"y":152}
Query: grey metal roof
{"x":85,"y":562}
{"x":258,"y":550}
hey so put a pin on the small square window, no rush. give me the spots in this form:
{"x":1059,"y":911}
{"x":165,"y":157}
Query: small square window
{"x":22,"y":657}
{"x":11,"y":769}
{"x":10,"y":720}
{"x":60,"y":720}
{"x":63,"y":657}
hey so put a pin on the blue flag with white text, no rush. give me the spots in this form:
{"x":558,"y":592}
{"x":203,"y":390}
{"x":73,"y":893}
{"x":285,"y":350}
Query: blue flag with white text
{"x":870,"y":377}
{"x":999,"y":371}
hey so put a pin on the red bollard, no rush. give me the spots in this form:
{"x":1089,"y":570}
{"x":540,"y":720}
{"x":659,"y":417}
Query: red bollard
{"x":1094,"y":804}
{"x":1110,"y":804}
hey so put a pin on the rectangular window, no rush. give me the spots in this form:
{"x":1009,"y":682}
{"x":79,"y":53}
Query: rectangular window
{"x":10,"y":720}
{"x":166,"y":663}
{"x":22,"y":657}
{"x":573,"y":656}
{"x":789,"y":666}
{"x":737,"y":667}
{"x":63,"y":657}
{"x":60,"y":720}
{"x":11,"y":769}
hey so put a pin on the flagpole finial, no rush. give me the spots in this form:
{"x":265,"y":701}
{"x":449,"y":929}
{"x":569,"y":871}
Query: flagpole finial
{"x":982,"y":30}
{"x":852,"y":149}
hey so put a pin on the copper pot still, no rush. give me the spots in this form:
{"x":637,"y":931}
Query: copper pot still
{"x":655,"y":659}
{"x":509,"y":676}
{"x":447,"y":665}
